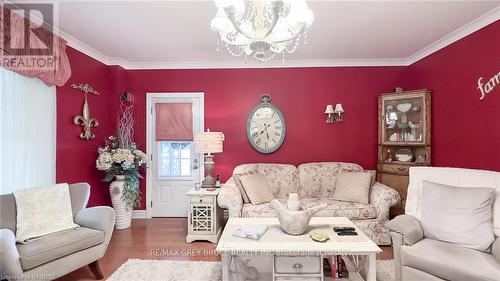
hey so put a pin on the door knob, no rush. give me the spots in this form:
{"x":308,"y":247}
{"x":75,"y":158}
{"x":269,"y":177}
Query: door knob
{"x":195,"y":166}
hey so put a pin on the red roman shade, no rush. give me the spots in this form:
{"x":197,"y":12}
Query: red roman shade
{"x":174,"y":121}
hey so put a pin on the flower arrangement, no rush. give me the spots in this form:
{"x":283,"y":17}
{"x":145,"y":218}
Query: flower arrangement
{"x":117,"y":161}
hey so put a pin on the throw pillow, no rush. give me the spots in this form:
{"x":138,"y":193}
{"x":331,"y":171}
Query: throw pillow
{"x":353,"y":187}
{"x":238,"y":183}
{"x":42,"y":211}
{"x":257,"y":188}
{"x":458,"y":215}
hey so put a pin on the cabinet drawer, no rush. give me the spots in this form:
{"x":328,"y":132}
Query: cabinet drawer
{"x":396,"y":169}
{"x":202,"y":199}
{"x":300,"y":264}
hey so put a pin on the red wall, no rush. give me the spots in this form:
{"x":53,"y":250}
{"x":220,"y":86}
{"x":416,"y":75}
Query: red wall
{"x":76,"y":157}
{"x":301,"y":94}
{"x":466,"y":130}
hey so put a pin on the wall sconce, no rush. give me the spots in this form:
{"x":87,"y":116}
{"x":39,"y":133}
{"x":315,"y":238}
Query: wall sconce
{"x":334,"y":115}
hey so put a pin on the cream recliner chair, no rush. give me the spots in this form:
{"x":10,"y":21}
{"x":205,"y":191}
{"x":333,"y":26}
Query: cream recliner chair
{"x":418,"y":258}
{"x":58,"y":254}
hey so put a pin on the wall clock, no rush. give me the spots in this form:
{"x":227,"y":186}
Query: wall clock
{"x":266,"y":126}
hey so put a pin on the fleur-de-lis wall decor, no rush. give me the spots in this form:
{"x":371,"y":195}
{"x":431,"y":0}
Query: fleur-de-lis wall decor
{"x":85,"y":120}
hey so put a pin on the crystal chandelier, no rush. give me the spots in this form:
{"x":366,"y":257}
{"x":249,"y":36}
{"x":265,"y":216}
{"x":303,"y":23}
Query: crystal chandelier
{"x":261,"y":28}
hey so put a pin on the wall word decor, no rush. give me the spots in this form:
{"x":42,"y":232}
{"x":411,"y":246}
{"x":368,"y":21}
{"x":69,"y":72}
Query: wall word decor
{"x":489,"y":86}
{"x":85,"y":120}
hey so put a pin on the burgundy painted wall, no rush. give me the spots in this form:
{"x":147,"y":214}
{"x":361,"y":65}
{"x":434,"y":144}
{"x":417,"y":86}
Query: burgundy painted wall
{"x":466,"y":130}
{"x":301,"y":94}
{"x":76,"y":157}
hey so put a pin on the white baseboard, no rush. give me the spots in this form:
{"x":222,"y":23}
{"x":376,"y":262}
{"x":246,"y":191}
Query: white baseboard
{"x":140,"y":214}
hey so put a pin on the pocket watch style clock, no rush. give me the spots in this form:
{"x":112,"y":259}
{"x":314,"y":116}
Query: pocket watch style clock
{"x":266,"y":126}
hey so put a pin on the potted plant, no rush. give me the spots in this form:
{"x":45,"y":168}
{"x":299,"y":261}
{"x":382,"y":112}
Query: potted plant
{"x":123,"y":165}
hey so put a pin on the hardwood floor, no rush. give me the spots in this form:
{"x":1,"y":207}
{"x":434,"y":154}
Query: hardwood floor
{"x":158,"y":238}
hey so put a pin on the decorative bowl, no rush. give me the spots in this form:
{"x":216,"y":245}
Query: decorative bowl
{"x":319,"y":236}
{"x":403,"y":155}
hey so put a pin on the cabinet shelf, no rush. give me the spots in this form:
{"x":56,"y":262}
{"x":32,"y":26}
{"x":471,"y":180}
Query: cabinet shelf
{"x":404,"y":163}
{"x":412,"y":144}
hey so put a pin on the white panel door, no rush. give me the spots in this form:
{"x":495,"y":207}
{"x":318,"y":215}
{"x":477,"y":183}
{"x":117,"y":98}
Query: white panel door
{"x":176,"y":167}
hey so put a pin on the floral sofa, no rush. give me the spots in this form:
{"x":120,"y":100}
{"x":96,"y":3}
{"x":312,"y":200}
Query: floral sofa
{"x":315,"y":184}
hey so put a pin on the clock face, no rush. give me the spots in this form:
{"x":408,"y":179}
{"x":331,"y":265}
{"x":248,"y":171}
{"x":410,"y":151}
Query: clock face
{"x":266,"y":128}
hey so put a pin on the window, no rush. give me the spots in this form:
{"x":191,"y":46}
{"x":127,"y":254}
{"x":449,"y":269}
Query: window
{"x":28,"y":132}
{"x":175,"y":159}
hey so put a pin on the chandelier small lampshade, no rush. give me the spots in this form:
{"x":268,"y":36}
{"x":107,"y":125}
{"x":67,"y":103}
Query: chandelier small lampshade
{"x":208,"y":142}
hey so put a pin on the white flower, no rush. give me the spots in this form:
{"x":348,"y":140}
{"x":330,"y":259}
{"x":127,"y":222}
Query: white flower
{"x":105,"y":157}
{"x":141,"y":156}
{"x":121,"y":155}
{"x":102,"y":166}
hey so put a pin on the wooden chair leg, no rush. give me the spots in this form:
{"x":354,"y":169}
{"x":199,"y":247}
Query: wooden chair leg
{"x":94,"y":267}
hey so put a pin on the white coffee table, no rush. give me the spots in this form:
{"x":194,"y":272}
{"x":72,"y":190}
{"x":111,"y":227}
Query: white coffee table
{"x":287,"y":257}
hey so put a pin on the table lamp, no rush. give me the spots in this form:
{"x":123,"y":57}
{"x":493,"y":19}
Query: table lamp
{"x":208,"y":143}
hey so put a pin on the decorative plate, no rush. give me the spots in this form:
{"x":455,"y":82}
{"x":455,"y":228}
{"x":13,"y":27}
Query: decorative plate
{"x":403,"y":155}
{"x":319,"y":236}
{"x":404,"y":107}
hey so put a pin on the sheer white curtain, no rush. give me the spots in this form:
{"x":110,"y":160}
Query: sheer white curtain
{"x":28,"y":132}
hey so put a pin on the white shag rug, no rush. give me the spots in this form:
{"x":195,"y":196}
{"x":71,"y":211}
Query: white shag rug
{"x":167,"y":270}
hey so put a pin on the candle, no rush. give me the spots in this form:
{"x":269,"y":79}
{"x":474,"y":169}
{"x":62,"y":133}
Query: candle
{"x":293,"y":197}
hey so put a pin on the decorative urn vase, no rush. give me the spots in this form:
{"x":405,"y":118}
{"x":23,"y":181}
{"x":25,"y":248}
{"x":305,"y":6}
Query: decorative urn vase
{"x":295,"y":222}
{"x":123,"y":213}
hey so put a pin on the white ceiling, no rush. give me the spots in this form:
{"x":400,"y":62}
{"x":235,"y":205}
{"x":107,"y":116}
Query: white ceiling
{"x":177,"y":34}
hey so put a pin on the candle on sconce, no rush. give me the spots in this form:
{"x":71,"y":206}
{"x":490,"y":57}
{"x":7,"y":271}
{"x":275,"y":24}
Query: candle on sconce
{"x":293,"y":202}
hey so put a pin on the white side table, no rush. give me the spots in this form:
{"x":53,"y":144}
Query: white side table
{"x":205,"y":217}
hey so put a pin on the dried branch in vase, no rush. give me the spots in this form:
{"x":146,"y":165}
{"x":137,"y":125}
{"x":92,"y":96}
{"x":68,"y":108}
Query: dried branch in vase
{"x":125,"y":125}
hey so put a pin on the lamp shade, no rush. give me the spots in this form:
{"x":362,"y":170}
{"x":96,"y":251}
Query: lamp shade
{"x":208,"y":142}
{"x":329,"y":109}
{"x":339,"y":108}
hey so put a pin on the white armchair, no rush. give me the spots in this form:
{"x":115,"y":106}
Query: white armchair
{"x":421,"y":258}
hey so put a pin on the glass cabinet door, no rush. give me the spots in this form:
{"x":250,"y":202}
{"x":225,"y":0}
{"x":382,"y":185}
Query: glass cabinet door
{"x":403,"y":120}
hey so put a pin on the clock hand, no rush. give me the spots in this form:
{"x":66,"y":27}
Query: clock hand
{"x":265,"y":128}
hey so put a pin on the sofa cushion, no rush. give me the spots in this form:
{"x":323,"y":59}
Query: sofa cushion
{"x":469,"y":178}
{"x":55,"y":246}
{"x":257,"y":188}
{"x":458,"y":215}
{"x":318,"y":179}
{"x":449,"y":261}
{"x":43,"y":210}
{"x":353,"y":187}
{"x":283,"y":178}
{"x":356,"y":211}
{"x":238,"y":183}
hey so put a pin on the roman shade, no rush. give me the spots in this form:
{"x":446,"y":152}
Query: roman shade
{"x":174,"y":121}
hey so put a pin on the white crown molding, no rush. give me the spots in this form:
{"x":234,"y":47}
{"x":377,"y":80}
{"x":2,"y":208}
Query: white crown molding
{"x":469,"y":28}
{"x":291,"y":63}
{"x":473,"y":26}
{"x":82,"y":47}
